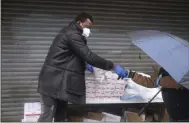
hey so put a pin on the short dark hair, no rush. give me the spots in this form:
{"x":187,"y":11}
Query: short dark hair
{"x":83,"y":17}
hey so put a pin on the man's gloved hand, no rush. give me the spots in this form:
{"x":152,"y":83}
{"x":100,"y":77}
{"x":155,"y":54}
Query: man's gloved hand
{"x":90,"y":68}
{"x":120,"y":71}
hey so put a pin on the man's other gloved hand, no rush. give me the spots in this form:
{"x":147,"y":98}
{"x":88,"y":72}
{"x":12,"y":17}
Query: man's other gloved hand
{"x":120,"y":71}
{"x":90,"y":68}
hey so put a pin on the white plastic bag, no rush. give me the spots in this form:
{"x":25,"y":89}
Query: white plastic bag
{"x":134,"y":91}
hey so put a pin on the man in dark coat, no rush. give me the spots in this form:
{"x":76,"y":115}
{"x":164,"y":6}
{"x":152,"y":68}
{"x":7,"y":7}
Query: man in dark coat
{"x":62,"y":77}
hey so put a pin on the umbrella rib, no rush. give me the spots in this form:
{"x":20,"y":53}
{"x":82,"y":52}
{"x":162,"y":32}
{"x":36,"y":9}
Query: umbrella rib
{"x":186,"y":45}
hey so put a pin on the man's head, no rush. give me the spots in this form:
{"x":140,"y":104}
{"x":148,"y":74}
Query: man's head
{"x":84,"y":20}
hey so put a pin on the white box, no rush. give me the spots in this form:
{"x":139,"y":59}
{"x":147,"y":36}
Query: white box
{"x":111,"y":118}
{"x":90,"y":120}
{"x":32,"y":111}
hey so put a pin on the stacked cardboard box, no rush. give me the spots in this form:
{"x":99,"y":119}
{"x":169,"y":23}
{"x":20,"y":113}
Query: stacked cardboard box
{"x":96,"y":117}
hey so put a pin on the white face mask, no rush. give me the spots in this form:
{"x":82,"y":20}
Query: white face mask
{"x":86,"y":32}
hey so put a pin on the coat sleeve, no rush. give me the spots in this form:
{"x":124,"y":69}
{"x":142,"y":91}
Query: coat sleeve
{"x":169,"y":82}
{"x":77,"y":45}
{"x":145,"y":81}
{"x":150,"y":82}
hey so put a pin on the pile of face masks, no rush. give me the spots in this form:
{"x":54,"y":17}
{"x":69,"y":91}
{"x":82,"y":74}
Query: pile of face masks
{"x":104,"y":86}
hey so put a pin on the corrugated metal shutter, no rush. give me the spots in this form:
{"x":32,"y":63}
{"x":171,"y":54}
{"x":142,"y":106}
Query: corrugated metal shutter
{"x":28,"y":28}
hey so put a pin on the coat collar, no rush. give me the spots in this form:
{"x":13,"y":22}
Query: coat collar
{"x":76,"y":26}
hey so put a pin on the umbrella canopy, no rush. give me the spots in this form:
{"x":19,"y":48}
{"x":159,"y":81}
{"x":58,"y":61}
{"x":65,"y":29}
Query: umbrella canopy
{"x":169,"y":51}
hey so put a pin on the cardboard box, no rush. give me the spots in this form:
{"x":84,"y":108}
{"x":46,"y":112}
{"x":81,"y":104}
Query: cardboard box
{"x":166,"y":116}
{"x":96,"y":117}
{"x":111,"y":118}
{"x":132,"y":117}
{"x":75,"y":118}
{"x":89,"y":117}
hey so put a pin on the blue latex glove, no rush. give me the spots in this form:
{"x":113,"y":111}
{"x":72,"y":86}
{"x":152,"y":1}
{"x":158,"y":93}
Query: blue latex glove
{"x":120,"y":71}
{"x":90,"y":68}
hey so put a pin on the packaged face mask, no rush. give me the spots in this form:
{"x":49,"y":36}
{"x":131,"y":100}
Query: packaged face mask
{"x":86,"y":32}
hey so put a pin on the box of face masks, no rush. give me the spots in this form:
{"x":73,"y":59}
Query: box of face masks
{"x":104,"y":86}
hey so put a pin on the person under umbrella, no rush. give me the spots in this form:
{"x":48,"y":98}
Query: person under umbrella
{"x":175,"y":96}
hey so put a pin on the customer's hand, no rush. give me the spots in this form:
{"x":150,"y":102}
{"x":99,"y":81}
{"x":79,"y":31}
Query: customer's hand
{"x":90,"y":68}
{"x":120,"y":71}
